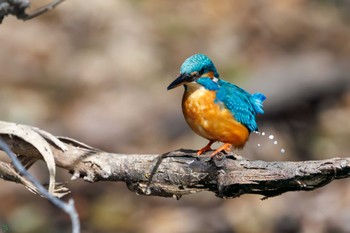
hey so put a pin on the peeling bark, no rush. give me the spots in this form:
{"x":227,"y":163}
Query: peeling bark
{"x":182,"y":172}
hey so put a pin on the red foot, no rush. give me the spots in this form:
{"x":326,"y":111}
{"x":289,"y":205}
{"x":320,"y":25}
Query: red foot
{"x":206,"y":148}
{"x":226,"y":147}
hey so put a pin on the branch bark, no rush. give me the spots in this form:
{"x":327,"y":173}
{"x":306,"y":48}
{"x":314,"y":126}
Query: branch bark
{"x":182,"y":172}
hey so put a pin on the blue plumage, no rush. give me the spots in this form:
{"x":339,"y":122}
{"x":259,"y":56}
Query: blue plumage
{"x":216,"y":109}
{"x":259,"y":99}
{"x":198,"y":63}
{"x":208,"y":83}
{"x":241,"y":104}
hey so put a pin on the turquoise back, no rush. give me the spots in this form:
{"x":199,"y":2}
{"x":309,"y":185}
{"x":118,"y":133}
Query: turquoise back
{"x":243,"y":105}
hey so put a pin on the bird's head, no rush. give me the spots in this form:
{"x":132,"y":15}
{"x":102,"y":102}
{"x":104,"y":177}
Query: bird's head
{"x":195,"y":67}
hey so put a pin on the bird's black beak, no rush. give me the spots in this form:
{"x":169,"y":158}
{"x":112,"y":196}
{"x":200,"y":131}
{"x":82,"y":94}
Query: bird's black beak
{"x":180,"y":80}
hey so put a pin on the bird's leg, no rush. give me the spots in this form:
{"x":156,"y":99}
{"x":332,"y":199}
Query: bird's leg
{"x":226,"y":147}
{"x":206,"y":148}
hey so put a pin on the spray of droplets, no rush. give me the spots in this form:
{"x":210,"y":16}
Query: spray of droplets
{"x":271,"y":137}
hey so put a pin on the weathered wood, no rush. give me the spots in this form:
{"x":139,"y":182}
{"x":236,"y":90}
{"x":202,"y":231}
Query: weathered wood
{"x":182,"y":172}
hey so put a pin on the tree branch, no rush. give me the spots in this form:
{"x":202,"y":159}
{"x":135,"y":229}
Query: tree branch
{"x":18,"y":8}
{"x":182,"y":172}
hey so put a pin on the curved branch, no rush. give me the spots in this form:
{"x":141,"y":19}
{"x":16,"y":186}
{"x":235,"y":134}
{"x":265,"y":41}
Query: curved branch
{"x":181,"y":172}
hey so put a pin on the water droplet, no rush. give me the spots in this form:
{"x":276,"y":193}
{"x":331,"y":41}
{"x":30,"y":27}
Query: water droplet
{"x":272,"y":138}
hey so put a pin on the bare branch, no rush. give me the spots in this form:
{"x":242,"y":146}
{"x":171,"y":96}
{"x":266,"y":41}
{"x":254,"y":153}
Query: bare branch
{"x":40,"y":140}
{"x":66,"y":207}
{"x":18,"y":9}
{"x":181,"y":172}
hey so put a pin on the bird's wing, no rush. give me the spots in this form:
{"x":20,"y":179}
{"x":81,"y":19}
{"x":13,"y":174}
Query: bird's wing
{"x":240,"y":103}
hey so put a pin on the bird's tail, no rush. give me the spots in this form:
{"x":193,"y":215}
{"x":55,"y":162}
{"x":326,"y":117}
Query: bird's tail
{"x":258,"y":102}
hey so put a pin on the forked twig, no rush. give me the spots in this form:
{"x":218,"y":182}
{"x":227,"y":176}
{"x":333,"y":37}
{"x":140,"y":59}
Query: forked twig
{"x":18,"y":8}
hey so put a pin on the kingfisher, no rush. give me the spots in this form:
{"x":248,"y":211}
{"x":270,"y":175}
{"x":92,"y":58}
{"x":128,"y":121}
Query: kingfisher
{"x":214,"y":108}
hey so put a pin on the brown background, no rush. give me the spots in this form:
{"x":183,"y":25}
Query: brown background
{"x":97,"y":71}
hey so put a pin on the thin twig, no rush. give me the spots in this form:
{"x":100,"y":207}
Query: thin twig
{"x":66,"y":207}
{"x":43,"y":9}
{"x":18,"y":8}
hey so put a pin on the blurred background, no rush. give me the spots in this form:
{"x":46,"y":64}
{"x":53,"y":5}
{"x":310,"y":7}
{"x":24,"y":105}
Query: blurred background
{"x":97,"y":71}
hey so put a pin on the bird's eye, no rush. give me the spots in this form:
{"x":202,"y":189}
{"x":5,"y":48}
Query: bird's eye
{"x":201,"y":72}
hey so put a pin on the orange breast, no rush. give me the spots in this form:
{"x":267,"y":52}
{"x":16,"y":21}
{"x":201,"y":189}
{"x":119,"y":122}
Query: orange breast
{"x":210,"y":120}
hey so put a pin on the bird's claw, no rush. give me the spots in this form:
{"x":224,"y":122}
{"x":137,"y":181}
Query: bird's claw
{"x":206,"y":148}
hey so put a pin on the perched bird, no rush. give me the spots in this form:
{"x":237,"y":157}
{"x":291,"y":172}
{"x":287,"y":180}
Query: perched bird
{"x":216,"y":109}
